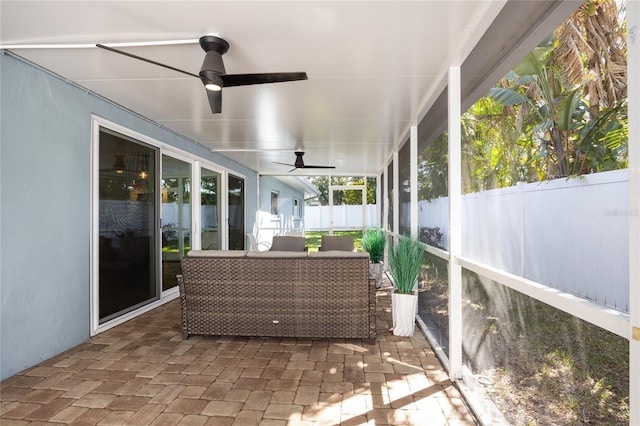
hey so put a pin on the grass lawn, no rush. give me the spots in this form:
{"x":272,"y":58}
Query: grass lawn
{"x":314,"y":238}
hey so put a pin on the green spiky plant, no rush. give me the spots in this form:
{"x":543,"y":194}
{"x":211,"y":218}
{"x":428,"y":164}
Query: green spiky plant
{"x":374,"y":242}
{"x":405,"y":263}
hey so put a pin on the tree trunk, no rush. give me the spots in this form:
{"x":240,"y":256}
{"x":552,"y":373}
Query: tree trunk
{"x":558,"y":148}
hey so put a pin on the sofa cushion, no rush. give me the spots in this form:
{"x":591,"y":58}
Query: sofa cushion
{"x":339,"y":253}
{"x":287,"y":243}
{"x":278,"y":254}
{"x":337,"y":242}
{"x":216,"y":253}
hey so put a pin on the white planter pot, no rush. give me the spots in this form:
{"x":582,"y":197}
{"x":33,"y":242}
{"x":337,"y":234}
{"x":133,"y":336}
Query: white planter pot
{"x":375,"y":271}
{"x":404,"y":308}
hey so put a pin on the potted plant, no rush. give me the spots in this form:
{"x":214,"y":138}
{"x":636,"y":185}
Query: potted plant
{"x":405,"y":264}
{"x":374,"y":242}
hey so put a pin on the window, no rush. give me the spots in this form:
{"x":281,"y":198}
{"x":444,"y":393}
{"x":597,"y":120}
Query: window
{"x":297,"y":212}
{"x":275,"y":209}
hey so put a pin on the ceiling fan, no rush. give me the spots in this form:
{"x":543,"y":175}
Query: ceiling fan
{"x":299,"y":163}
{"x":213,"y":74}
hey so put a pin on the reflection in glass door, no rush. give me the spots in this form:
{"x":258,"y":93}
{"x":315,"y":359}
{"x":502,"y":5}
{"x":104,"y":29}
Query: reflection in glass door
{"x":176,"y":217}
{"x":210,"y":202}
{"x":127,"y":252}
{"x":236,"y":213}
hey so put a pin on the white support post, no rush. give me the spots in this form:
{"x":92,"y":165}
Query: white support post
{"x":396,"y":194}
{"x":365,"y":224}
{"x":455,"y":225}
{"x":633,"y":88}
{"x":224,"y":210}
{"x":330,"y":206}
{"x":196,"y":234}
{"x":378,"y":220}
{"x":387,"y":200}
{"x":413,"y":170}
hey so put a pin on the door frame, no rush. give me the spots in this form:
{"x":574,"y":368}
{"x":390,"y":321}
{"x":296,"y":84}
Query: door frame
{"x":363,"y":191}
{"x":222,"y":213}
{"x":176,"y":155}
{"x":94,"y":290}
{"x":163,"y":149}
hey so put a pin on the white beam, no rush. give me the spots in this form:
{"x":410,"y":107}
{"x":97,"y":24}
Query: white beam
{"x":633,"y":88}
{"x":609,"y":319}
{"x":455,"y":224}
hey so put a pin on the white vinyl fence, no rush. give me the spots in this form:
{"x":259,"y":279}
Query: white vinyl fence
{"x":344,"y":217}
{"x":569,"y":234}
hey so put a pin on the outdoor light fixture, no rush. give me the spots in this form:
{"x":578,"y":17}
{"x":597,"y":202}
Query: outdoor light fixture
{"x":213,"y":87}
{"x":212,"y":82}
{"x":142,"y":170}
{"x":119,"y":165}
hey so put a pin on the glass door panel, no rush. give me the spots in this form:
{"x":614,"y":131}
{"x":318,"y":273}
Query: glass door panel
{"x":127,"y":253}
{"x":176,"y":217}
{"x":236,"y":213}
{"x":210,"y":209}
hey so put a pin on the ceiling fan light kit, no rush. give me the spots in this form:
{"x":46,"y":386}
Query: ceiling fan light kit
{"x":213,"y":82}
{"x":213,"y":73}
{"x":213,"y":67}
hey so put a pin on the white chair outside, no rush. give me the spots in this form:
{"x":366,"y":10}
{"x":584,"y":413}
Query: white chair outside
{"x":254,"y":245}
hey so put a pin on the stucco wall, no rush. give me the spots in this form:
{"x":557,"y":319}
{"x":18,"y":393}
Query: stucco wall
{"x":266,"y":224}
{"x":45,"y":140}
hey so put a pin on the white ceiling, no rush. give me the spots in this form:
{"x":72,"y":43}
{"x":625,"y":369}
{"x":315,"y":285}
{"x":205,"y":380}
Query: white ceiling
{"x":373,"y":68}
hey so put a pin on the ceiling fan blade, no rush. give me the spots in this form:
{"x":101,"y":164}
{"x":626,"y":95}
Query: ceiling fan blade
{"x":215,"y":100}
{"x":131,"y":55}
{"x":231,"y":80}
{"x":318,"y":167}
{"x":284,"y":164}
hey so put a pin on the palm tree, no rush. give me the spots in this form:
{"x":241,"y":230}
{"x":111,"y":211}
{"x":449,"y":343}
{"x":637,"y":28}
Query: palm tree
{"x":592,"y":43}
{"x":562,"y":87}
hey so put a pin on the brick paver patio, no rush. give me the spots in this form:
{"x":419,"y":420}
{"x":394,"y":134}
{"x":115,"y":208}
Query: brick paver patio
{"x":143,"y":372}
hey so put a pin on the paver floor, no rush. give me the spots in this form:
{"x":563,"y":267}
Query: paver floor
{"x":143,"y":372}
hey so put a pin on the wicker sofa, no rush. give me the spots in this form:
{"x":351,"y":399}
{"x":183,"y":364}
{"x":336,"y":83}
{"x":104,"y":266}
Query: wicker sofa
{"x":281,"y":294}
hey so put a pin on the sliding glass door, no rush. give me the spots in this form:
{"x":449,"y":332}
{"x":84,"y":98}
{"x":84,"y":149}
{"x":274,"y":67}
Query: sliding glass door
{"x":128,"y":217}
{"x":210,"y":209}
{"x":236,"y":212}
{"x":151,"y":204}
{"x":176,"y":217}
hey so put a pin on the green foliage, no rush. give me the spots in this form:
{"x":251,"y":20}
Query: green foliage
{"x":494,"y":153}
{"x":374,"y":242}
{"x":343,"y":197}
{"x":554,"y":115}
{"x":322,"y":183}
{"x":209,"y":190}
{"x":433,"y":169}
{"x":405,"y":263}
{"x":313,"y":239}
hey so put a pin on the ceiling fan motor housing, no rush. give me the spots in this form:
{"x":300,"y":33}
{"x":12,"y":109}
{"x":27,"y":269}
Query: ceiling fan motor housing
{"x":213,"y":66}
{"x":211,"y":43}
{"x":212,"y":69}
